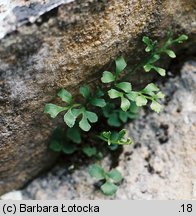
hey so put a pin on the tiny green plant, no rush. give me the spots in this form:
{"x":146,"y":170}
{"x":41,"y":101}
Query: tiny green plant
{"x":77,"y":110}
{"x":67,"y":141}
{"x":110,"y":179}
{"x":116,"y":138}
{"x":156,"y":51}
{"x":117,"y":117}
{"x":60,"y":143}
{"x":115,"y":100}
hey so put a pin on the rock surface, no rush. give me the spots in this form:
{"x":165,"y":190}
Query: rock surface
{"x":15,"y":13}
{"x":46,"y":45}
{"x":161,"y":164}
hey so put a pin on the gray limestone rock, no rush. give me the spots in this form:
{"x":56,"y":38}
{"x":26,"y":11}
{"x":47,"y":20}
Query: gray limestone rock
{"x":47,"y":45}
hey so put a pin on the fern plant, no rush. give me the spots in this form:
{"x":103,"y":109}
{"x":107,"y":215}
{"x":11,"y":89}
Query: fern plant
{"x":115,"y":138}
{"x":75,"y":110}
{"x":120,"y":104}
{"x":110,"y":178}
{"x":117,"y":117}
{"x":156,"y":51}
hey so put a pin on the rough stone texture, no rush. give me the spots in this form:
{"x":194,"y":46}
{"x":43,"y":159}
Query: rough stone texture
{"x":14,"y":13}
{"x":161,"y":164}
{"x":66,"y":47}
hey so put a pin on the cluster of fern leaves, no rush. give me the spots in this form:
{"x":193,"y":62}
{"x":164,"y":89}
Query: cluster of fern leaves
{"x":117,"y":101}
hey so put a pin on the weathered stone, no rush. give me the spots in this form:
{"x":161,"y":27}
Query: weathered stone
{"x":46,"y":46}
